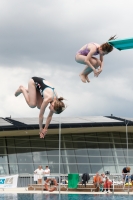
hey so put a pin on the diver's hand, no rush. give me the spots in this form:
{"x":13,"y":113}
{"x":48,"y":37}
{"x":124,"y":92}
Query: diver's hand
{"x":43,"y":132}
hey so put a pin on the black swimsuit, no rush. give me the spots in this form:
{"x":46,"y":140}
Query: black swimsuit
{"x":41,"y":86}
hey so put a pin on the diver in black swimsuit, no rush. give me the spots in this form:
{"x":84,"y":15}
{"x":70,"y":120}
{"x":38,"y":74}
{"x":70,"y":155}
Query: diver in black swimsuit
{"x":39,"y":94}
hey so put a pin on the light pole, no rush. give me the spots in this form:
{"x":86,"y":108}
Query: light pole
{"x":126,"y":122}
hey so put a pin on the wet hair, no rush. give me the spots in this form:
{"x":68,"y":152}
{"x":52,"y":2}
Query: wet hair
{"x":106,"y":47}
{"x":59,"y":106}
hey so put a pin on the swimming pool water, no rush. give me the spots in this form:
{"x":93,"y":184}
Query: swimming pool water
{"x":64,"y":197}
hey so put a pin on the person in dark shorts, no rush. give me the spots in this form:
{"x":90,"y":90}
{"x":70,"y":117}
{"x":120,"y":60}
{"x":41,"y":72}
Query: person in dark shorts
{"x":125,"y":171}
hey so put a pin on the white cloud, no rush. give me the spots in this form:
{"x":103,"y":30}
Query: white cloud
{"x":40,"y":38}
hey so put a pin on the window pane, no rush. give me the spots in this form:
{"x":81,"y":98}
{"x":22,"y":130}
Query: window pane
{"x":3,"y":159}
{"x":10,"y":142}
{"x":95,"y":159}
{"x":96,"y":168}
{"x":121,"y":160}
{"x":37,"y":158}
{"x":22,"y":146}
{"x":130,"y":159}
{"x":106,"y":152}
{"x":24,"y":158}
{"x":80,"y":145}
{"x":12,"y":158}
{"x":25,"y":168}
{"x":68,"y":159}
{"x":52,"y":144}
{"x":104,"y":145}
{"x":39,"y":151}
{"x":70,"y":169}
{"x":93,"y":152}
{"x":92,"y":145}
{"x":13,"y":169}
{"x":11,"y":150}
{"x":2,"y":147}
{"x":53,"y":159}
{"x":67,"y":145}
{"x":67,"y":137}
{"x":82,"y":159}
{"x":37,"y":143}
{"x":118,"y":153}
{"x":78,"y":137}
{"x":130,"y":152}
{"x":55,"y":168}
{"x":110,"y":168}
{"x":84,"y":169}
{"x":81,"y":152}
{"x":53,"y":152}
{"x":3,"y":169}
{"x":108,"y":160}
{"x":104,"y":138}
{"x":67,"y":152}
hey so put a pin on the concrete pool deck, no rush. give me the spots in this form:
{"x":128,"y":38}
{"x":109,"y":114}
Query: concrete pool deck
{"x":25,"y":190}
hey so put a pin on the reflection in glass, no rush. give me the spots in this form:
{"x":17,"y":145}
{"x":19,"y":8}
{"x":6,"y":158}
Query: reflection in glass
{"x":39,"y":151}
{"x":95,"y":149}
{"x":67,"y":152}
{"x":108,"y":160}
{"x":121,"y":160}
{"x":97,"y":168}
{"x":12,"y":158}
{"x":37,"y":158}
{"x":82,"y":159}
{"x":111,"y":168}
{"x":52,"y":152}
{"x":4,"y":169}
{"x":95,"y":159}
{"x":118,"y":153}
{"x":24,"y":158}
{"x":81,"y":152}
{"x":3,"y":159}
{"x":13,"y":169}
{"x":53,"y":159}
{"x":106,"y":152}
{"x":94,"y":152}
{"x":25,"y":168}
{"x":84,"y":169}
{"x":68,"y":159}
{"x":67,"y":145}
{"x":70,"y":168}
{"x":55,"y":168}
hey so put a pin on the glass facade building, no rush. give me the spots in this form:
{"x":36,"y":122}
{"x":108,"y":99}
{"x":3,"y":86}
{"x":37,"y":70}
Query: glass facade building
{"x":80,"y":152}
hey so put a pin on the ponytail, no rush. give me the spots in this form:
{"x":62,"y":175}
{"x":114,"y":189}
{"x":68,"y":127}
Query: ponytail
{"x":112,"y":38}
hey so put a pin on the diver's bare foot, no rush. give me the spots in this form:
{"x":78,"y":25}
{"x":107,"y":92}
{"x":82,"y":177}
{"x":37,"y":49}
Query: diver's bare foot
{"x":82,"y":77}
{"x":88,"y":80}
{"x":19,"y":91}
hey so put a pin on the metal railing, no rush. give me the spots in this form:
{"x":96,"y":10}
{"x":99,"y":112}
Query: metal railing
{"x":25,"y":180}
